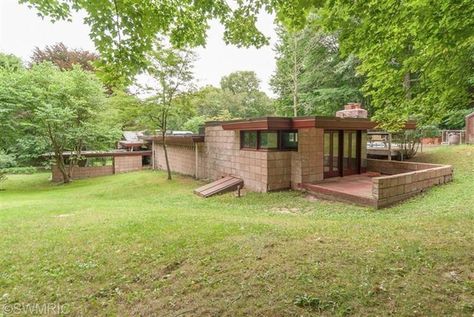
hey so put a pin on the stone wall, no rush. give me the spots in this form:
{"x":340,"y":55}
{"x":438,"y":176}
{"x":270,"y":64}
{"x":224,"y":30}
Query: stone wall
{"x":82,"y":172}
{"x":128,"y":163}
{"x":417,"y":177}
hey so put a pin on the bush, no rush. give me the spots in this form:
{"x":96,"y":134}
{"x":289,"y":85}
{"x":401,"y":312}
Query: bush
{"x":19,"y":170}
{"x":430,"y":131}
{"x":7,"y":160}
{"x":3,"y":177}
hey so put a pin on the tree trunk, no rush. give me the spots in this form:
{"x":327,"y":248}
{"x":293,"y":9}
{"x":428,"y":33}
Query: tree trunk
{"x":165,"y":149}
{"x":62,"y":168}
{"x":295,"y":76}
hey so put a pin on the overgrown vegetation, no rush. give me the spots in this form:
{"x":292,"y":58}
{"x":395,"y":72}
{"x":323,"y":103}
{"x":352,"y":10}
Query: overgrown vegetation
{"x":136,"y":244}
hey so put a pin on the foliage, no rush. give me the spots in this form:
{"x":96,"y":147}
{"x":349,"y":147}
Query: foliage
{"x":7,"y":160}
{"x":242,"y":95}
{"x":124,"y":110}
{"x":409,"y":142}
{"x":416,"y":55}
{"x":137,"y":240}
{"x":171,"y":71}
{"x":59,"y":109}
{"x":194,"y":124}
{"x":311,"y":77}
{"x":20,"y":170}
{"x":9,"y":62}
{"x":430,"y":131}
{"x":124,"y":31}
{"x":64,"y":57}
{"x":3,"y":176}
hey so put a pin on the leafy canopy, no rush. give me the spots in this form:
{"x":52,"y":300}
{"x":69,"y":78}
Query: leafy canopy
{"x":416,"y":55}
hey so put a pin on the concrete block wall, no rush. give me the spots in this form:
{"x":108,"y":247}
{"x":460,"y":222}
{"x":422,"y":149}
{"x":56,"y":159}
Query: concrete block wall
{"x":307,"y":163}
{"x":82,"y":172}
{"x":388,"y":190}
{"x":182,"y":159}
{"x":396,"y":167}
{"x":224,"y":158}
{"x":128,"y":163}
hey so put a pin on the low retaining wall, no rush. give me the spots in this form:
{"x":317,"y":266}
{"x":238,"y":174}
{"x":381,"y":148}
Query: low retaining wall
{"x":412,"y":178}
{"x":127,"y":163}
{"x":122,"y":162}
{"x":82,"y":172}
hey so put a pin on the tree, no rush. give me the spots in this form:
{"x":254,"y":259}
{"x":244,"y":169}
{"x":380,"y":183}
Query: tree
{"x":242,"y":95}
{"x":65,"y":58}
{"x":311,"y":77}
{"x":171,"y":70}
{"x":416,"y":55}
{"x":9,"y":62}
{"x":60,"y":108}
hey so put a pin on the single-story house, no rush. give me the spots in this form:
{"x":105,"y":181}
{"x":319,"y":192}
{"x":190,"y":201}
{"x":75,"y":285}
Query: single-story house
{"x":326,"y":156}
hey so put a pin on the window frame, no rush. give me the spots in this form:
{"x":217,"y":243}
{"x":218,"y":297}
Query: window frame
{"x":258,"y":147}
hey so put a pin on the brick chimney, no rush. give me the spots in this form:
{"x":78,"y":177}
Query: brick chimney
{"x":352,"y":110}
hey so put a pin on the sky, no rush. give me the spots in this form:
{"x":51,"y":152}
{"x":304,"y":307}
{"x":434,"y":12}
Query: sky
{"x":21,"y":30}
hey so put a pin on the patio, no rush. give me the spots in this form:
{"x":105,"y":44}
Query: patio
{"x":386,"y":183}
{"x":355,"y":189}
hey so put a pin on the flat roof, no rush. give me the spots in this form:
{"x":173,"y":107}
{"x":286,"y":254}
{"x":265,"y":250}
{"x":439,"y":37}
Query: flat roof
{"x":189,"y":139}
{"x":286,"y":123}
{"x":105,"y":153}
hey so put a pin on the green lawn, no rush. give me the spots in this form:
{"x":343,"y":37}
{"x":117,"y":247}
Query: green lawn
{"x":136,"y":244}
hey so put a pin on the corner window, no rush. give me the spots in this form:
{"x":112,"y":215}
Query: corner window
{"x":289,"y":140}
{"x":268,"y":140}
{"x":248,"y":139}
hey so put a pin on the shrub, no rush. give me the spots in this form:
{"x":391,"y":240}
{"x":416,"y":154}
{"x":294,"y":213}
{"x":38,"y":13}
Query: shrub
{"x":19,"y":170}
{"x":7,"y":160}
{"x":3,"y":177}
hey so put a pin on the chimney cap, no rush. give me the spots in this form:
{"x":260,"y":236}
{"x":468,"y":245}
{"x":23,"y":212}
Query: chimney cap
{"x":352,"y":105}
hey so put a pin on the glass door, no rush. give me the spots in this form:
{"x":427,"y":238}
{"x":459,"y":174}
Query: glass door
{"x":342,"y":153}
{"x":331,"y":154}
{"x":351,"y":153}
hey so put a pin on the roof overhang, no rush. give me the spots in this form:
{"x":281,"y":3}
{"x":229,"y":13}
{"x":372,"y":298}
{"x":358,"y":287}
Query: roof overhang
{"x":103,"y":153}
{"x":286,"y":123}
{"x":267,"y":123}
{"x":177,"y":139}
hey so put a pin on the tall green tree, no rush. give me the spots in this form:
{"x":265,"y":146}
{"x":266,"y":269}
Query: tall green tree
{"x":311,"y":77}
{"x":62,"y":109}
{"x":171,"y":70}
{"x":417,"y":55}
{"x":243,"y":97}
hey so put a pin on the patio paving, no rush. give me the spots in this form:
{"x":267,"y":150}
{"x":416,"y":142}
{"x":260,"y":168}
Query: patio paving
{"x":356,"y":189}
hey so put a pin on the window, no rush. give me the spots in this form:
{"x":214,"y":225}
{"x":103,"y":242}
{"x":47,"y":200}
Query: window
{"x":269,"y":140}
{"x":289,"y":140}
{"x":248,"y":139}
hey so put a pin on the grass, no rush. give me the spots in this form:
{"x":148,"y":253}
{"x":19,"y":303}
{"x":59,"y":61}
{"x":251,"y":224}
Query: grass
{"x":136,"y":244}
